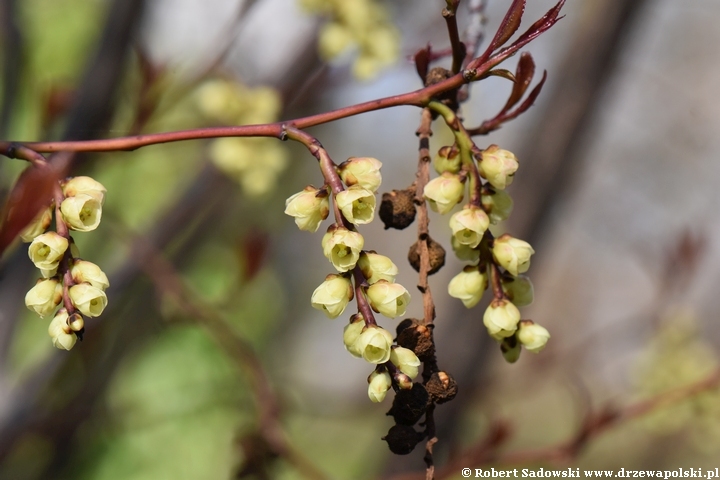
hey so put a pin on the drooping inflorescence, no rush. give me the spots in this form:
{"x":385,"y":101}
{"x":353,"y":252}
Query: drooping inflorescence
{"x":67,"y":279}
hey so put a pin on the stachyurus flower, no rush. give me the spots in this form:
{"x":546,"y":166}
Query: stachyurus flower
{"x":468,"y":286}
{"x":333,"y":295}
{"x":374,"y":344}
{"x":46,"y":250}
{"x":512,"y":254}
{"x":532,"y":336}
{"x":309,"y":207}
{"x":81,"y":212}
{"x":498,"y":166}
{"x":342,"y":247}
{"x":84,"y":186}
{"x":501,"y":319}
{"x":378,"y":385}
{"x":83,"y":271}
{"x":377,"y":267}
{"x":361,"y":171}
{"x":405,"y":360}
{"x":91,"y":301}
{"x":63,"y":337}
{"x":468,"y":226}
{"x":444,"y":192}
{"x":45,"y":296}
{"x":390,"y":299}
{"x":357,"y":204}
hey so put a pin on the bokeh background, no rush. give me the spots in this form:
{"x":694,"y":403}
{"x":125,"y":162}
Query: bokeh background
{"x":209,"y":361}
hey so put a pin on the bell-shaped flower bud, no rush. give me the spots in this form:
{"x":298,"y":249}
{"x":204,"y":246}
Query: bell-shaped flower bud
{"x":45,"y":296}
{"x":46,"y":251}
{"x":91,"y":301}
{"x":378,"y":385}
{"x":84,"y":186}
{"x":447,"y":160}
{"x":62,"y":335}
{"x":37,"y":226}
{"x":83,"y":271}
{"x":333,"y":295}
{"x":342,"y":247}
{"x":377,"y":267}
{"x":532,"y":336}
{"x":81,"y":212}
{"x":357,"y":204}
{"x":406,"y":361}
{"x":464,"y":252}
{"x":510,"y":348}
{"x":76,"y":322}
{"x":361,"y":171}
{"x":374,"y":344}
{"x":468,"y":226}
{"x":501,"y":319}
{"x":309,"y":207}
{"x":390,"y":299}
{"x":498,"y":166}
{"x":468,"y":285}
{"x":512,"y":254}
{"x":519,"y":290}
{"x":352,"y":332}
{"x":498,"y":205}
{"x":444,"y":192}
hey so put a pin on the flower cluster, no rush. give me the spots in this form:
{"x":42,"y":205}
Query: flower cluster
{"x":500,"y":261}
{"x":78,"y":284}
{"x":373,"y":274}
{"x":363,"y":24}
{"x":254,"y":163}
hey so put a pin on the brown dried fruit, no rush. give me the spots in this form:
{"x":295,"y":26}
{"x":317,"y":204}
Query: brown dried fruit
{"x":417,"y":338}
{"x":442,"y":387}
{"x":409,"y":405}
{"x":397,"y":209}
{"x":402,"y":439}
{"x":436,"y":251}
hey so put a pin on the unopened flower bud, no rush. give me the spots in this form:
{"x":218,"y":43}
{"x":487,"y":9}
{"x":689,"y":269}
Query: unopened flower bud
{"x":510,"y":349}
{"x":377,"y":267}
{"x":45,"y":296}
{"x":389,"y":299}
{"x":406,"y":361}
{"x":498,"y":166}
{"x":309,"y":207}
{"x":342,"y":247}
{"x":468,"y":226}
{"x":519,"y":290}
{"x":447,"y":160}
{"x":333,"y":295}
{"x":468,"y":285}
{"x":81,"y":212}
{"x":501,"y":319}
{"x":512,"y":254}
{"x":47,"y":249}
{"x":83,"y":271}
{"x":85,"y":186}
{"x":403,"y":381}
{"x":532,"y":336}
{"x":62,"y":335}
{"x":76,"y":322}
{"x":357,"y":204}
{"x":498,"y":205}
{"x":374,"y":344}
{"x":352,"y":332}
{"x":37,"y":226}
{"x":379,"y":384}
{"x":444,"y":192}
{"x":91,"y":301}
{"x":464,"y":252}
{"x":361,"y":171}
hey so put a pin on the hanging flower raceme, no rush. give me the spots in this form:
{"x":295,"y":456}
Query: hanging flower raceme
{"x":56,"y":256}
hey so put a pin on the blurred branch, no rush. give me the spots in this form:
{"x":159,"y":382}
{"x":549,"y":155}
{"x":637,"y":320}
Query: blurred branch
{"x":13,"y":56}
{"x":168,"y":281}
